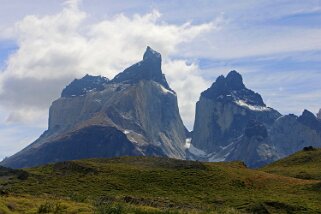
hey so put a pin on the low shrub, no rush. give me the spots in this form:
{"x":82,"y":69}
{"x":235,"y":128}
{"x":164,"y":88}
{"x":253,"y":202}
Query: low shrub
{"x":51,"y":207}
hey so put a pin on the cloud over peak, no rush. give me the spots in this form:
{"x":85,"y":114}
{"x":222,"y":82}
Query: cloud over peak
{"x":54,"y":49}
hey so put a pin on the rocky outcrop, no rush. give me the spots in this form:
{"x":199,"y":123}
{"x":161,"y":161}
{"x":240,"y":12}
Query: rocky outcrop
{"x":138,"y":106}
{"x":224,"y":129}
{"x":223,"y":112}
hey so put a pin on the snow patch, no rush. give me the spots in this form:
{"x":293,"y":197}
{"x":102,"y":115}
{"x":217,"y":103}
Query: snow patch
{"x":221,"y":155}
{"x":127,"y":131}
{"x":89,"y":90}
{"x":188,"y":143}
{"x":252,"y":107}
{"x":196,"y":151}
{"x":218,"y":157}
{"x":166,"y":91}
{"x":226,"y":147}
{"x":132,"y":140}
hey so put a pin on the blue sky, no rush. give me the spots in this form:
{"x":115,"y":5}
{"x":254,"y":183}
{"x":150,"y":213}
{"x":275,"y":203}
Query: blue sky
{"x":7,"y":48}
{"x":274,"y":44}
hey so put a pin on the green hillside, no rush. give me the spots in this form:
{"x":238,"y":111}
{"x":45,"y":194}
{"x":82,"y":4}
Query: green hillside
{"x":155,"y":185}
{"x":303,"y":164}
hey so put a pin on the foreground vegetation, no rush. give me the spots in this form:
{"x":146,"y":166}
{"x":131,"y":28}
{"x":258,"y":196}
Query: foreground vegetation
{"x":304,"y":164}
{"x":155,"y":185}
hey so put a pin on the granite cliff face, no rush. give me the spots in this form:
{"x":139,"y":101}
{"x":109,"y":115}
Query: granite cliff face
{"x":136,"y":113}
{"x":223,"y":112}
{"x":233,"y":123}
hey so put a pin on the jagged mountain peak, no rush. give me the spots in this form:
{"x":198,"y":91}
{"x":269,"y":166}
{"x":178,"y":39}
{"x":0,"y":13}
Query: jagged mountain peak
{"x":232,"y":88}
{"x":234,"y":80}
{"x":308,"y":114}
{"x":79,"y":87}
{"x":309,"y":119}
{"x":151,"y":54}
{"x":147,"y":69}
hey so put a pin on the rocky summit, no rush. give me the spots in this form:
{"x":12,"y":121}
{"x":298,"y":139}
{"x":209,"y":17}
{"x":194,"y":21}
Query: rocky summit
{"x":232,"y":122}
{"x":88,"y":83}
{"x":147,"y":69}
{"x":134,"y":114}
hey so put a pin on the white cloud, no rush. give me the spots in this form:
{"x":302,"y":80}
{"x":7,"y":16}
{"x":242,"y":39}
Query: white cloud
{"x":236,"y":42}
{"x":188,"y":84}
{"x":54,"y":49}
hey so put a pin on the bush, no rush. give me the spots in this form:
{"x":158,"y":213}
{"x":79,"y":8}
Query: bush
{"x":22,"y":175}
{"x":3,"y":191}
{"x":78,"y":198}
{"x":103,"y":207}
{"x":50,"y":207}
{"x":309,"y":148}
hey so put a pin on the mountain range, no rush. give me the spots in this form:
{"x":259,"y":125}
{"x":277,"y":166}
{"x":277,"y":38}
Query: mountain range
{"x":233,"y":123}
{"x":136,"y":114}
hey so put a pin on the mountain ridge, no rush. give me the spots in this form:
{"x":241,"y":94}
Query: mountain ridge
{"x":138,"y":106}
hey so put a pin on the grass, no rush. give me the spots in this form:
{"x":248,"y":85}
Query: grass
{"x":160,"y":185}
{"x":31,"y":204}
{"x":303,"y":164}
